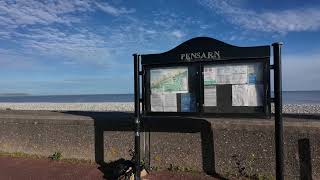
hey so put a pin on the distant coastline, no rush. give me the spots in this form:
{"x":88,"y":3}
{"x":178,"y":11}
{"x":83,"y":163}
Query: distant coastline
{"x":89,"y":98}
{"x":14,"y":94}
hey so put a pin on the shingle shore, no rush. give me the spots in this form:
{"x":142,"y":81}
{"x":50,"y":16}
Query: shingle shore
{"x":126,"y":106}
{"x":114,"y":106}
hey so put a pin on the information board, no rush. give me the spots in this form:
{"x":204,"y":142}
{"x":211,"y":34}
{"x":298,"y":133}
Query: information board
{"x":205,"y":76}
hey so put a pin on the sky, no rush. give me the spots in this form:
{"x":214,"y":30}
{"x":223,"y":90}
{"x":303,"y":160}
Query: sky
{"x":50,"y":47}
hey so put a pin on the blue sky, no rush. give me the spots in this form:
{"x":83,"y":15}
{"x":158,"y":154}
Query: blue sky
{"x":86,"y":47}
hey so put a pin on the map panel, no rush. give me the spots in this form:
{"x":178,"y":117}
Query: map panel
{"x":173,"y":80}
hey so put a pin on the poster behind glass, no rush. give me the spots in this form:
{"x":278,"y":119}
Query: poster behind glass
{"x":170,"y":92}
{"x":246,"y":81}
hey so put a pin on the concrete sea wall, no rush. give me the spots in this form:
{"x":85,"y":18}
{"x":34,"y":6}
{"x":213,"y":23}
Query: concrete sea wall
{"x":216,"y":145}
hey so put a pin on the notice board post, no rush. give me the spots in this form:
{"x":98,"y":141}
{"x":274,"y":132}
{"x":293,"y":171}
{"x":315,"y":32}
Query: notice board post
{"x":137,"y":115}
{"x":278,"y":110}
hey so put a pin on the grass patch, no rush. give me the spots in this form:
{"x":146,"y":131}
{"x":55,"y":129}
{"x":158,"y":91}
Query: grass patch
{"x":181,"y":169}
{"x":19,"y":154}
{"x":55,"y":155}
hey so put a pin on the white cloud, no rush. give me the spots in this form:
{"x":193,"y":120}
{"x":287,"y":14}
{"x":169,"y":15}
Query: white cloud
{"x":177,"y":33}
{"x":290,"y":20}
{"x":43,"y":28}
{"x":115,"y":11}
{"x":15,"y":14}
{"x":29,"y":12}
{"x":31,"y":25}
{"x":80,"y":44}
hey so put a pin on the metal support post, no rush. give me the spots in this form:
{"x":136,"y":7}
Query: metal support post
{"x":137,"y":115}
{"x":278,"y":111}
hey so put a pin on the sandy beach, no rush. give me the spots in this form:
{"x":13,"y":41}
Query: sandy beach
{"x":128,"y":106}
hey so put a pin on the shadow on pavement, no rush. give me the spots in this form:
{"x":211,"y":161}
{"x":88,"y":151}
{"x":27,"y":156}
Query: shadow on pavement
{"x":123,"y":121}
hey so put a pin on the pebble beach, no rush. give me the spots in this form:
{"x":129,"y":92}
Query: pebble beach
{"x":128,"y":107}
{"x":114,"y":106}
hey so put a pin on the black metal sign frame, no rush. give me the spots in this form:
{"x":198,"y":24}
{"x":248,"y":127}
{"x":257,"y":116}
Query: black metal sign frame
{"x":263,"y":111}
{"x":201,"y":51}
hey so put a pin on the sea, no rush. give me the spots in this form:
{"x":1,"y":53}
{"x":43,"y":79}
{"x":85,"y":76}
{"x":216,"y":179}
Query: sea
{"x":289,"y":97}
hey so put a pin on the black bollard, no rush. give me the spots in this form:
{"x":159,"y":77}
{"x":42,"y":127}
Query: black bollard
{"x":305,"y":159}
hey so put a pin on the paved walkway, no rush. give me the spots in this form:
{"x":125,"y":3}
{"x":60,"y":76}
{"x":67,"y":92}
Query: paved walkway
{"x":21,"y":168}
{"x":38,"y":169}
